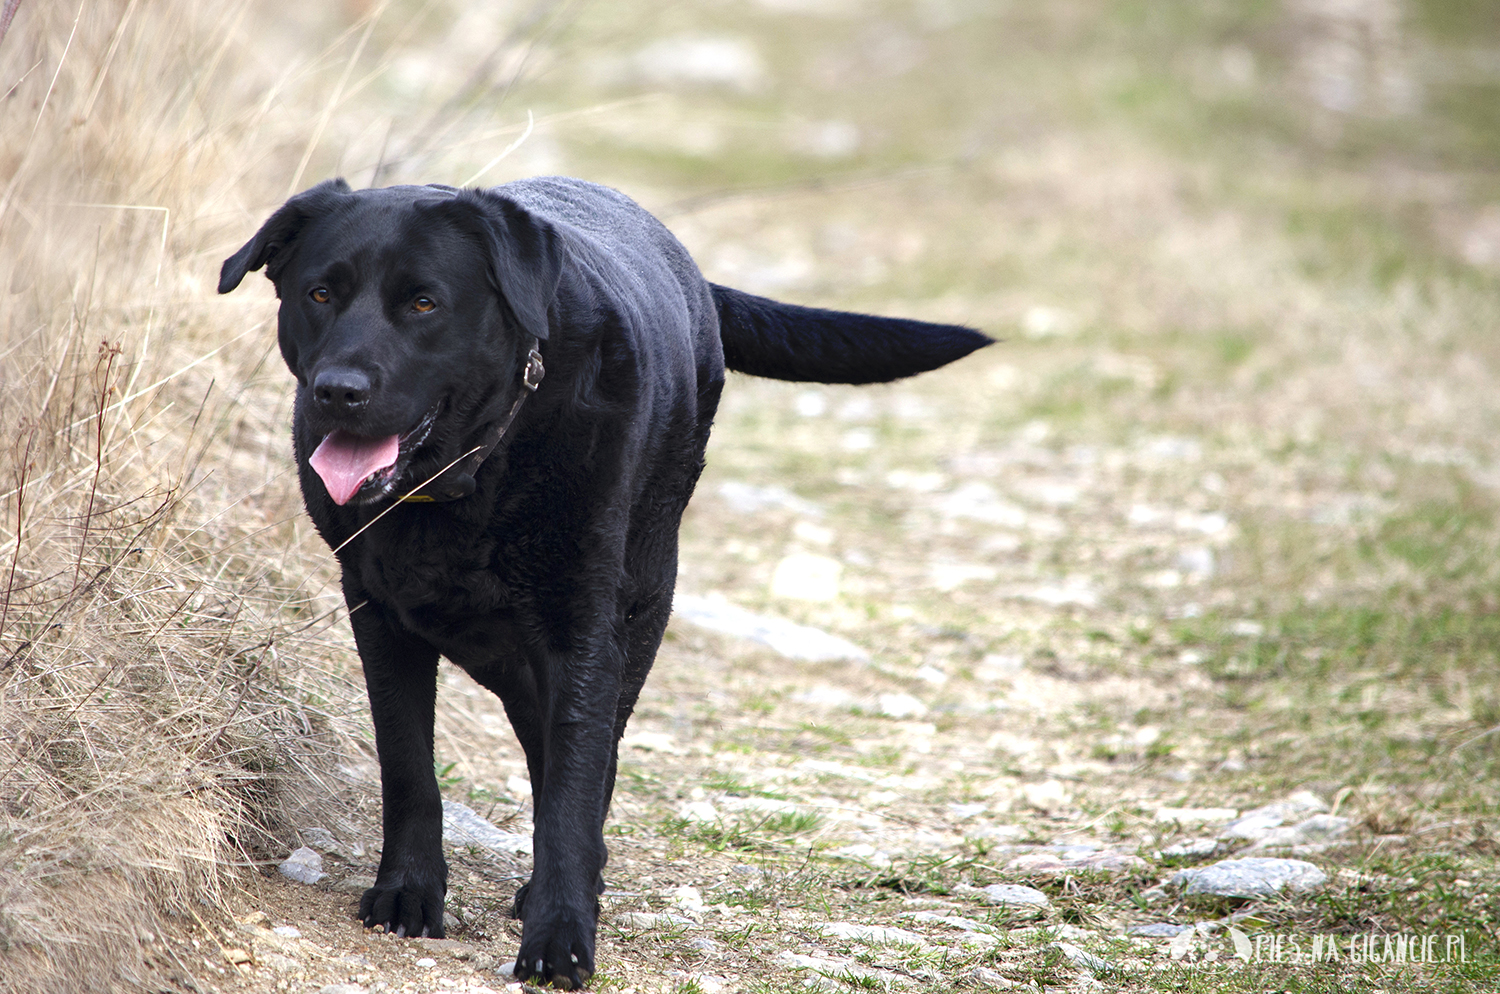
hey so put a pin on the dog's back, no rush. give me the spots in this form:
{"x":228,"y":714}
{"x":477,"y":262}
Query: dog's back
{"x":759,"y":336}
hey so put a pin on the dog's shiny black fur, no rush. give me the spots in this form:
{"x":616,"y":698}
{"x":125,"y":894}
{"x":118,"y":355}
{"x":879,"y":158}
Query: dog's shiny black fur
{"x":552,"y":583}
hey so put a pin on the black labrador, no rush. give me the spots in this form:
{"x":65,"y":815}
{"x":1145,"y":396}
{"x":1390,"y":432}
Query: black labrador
{"x":524,"y":528}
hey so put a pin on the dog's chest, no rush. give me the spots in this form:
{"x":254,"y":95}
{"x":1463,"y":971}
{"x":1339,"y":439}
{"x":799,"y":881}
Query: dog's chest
{"x":451,"y":590}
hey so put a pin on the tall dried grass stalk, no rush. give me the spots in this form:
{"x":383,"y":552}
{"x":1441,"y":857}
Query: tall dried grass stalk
{"x":174,"y":702}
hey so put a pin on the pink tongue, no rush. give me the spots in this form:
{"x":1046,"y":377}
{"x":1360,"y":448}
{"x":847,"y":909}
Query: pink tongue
{"x":345,"y":461}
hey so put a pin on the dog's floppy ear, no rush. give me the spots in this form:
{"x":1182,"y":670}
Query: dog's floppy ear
{"x":281,"y":230}
{"x":526,"y":256}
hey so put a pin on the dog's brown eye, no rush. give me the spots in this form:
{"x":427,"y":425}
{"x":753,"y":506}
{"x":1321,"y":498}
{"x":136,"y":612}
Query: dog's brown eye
{"x":319,"y":294}
{"x":423,"y":304}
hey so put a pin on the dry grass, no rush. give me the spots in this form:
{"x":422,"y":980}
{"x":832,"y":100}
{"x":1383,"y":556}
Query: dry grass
{"x":168,"y":703}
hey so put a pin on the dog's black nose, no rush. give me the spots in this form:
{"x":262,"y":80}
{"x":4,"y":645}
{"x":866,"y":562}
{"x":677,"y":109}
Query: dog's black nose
{"x":341,"y":390}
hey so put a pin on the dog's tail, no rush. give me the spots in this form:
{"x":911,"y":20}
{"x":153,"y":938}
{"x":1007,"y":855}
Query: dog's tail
{"x":787,"y":342}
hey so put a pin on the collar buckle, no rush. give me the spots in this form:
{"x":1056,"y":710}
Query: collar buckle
{"x":532,"y":377}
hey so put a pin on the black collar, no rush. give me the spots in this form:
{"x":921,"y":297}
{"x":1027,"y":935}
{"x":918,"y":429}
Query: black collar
{"x":456,"y":480}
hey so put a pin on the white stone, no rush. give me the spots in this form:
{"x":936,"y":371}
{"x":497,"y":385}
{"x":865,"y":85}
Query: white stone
{"x":1083,"y":959}
{"x":463,"y":826}
{"x":1195,"y":816}
{"x":785,"y":637}
{"x":645,"y":920}
{"x":1011,"y":896}
{"x":689,"y":899}
{"x":304,"y":866}
{"x":825,"y":696}
{"x":1191,"y":848}
{"x":951,"y":576}
{"x":1049,"y":795}
{"x":749,"y":498}
{"x":878,"y":935}
{"x":652,"y":742}
{"x":1251,"y":877}
{"x":901,"y":706}
{"x":864,"y":852}
{"x":1318,"y":828}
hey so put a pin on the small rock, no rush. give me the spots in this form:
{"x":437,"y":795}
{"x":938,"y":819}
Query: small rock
{"x":1318,"y":828}
{"x":750,"y":498}
{"x":990,"y":832}
{"x":341,"y":989}
{"x":704,"y":945}
{"x":1252,"y":827}
{"x":806,"y":576}
{"x":689,"y":899}
{"x":288,"y":931}
{"x":1158,"y":930}
{"x":320,"y":839}
{"x":652,"y":742}
{"x":952,"y":921}
{"x":983,"y":976}
{"x":463,"y":826}
{"x":1256,"y":824}
{"x":1195,"y":816}
{"x":278,"y":962}
{"x":1048,"y":796}
{"x":864,"y":852}
{"x":427,"y":962}
{"x":304,"y":866}
{"x":1013,"y":896}
{"x":1050,"y":864}
{"x":645,"y":920}
{"x":784,"y":637}
{"x":702,"y":812}
{"x":901,"y":706}
{"x":838,"y":969}
{"x":1251,"y":877}
{"x":880,"y":935}
{"x":1083,"y":959}
{"x":1191,"y":849}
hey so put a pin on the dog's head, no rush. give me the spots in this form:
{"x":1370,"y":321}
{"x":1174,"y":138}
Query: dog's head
{"x":406,"y":315}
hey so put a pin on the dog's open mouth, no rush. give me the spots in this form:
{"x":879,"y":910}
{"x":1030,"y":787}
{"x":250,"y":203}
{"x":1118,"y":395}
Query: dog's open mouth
{"x":349,"y":463}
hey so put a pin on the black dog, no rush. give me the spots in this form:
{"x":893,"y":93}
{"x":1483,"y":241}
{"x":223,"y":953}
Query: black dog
{"x":527,"y":534}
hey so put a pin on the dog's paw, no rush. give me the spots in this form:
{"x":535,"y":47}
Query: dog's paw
{"x":404,"y":910}
{"x":560,"y":953}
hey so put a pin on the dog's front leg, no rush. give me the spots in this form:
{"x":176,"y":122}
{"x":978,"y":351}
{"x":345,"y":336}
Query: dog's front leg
{"x":561,"y":908}
{"x":401,"y":677}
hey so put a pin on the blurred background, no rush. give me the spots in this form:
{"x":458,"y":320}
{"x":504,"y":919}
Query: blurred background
{"x":1214,"y":522}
